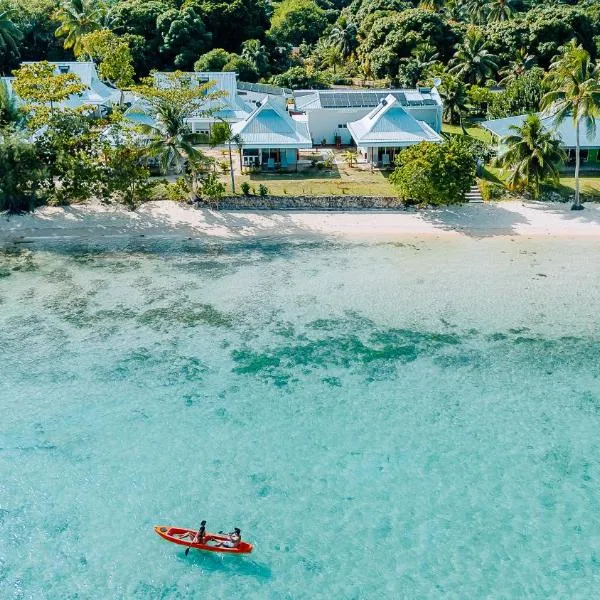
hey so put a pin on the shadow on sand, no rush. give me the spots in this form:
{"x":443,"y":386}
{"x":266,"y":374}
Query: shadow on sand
{"x":476,"y":220}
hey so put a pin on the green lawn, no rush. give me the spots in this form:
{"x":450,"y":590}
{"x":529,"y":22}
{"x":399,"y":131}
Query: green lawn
{"x":589,"y":183}
{"x":340,"y":181}
{"x":473,"y":130}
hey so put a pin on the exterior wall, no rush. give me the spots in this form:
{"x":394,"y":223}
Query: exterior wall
{"x":323,"y":122}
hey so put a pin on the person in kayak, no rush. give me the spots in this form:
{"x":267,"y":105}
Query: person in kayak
{"x":235,"y":537}
{"x":199,"y":537}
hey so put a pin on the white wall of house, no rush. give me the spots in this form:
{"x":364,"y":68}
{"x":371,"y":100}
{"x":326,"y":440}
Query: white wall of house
{"x":325,"y":123}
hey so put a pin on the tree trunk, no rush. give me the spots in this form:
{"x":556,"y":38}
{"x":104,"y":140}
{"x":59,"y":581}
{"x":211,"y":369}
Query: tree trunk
{"x":577,"y":204}
{"x":231,"y":167}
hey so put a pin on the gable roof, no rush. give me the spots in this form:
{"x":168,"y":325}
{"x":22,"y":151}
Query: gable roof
{"x":229,"y":106}
{"x":388,"y":124}
{"x":97,"y":92}
{"x":565,"y":131}
{"x":270,"y":126}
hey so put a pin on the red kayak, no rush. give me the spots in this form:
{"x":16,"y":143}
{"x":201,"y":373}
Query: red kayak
{"x":184,"y":537}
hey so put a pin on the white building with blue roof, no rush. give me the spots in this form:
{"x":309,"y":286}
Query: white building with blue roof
{"x":271,"y":138}
{"x":386,"y":130}
{"x":589,"y":143}
{"x":330,"y":111}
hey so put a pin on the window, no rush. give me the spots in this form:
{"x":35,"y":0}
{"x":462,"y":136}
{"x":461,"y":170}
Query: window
{"x":583,"y":155}
{"x":63,"y":69}
{"x":342,"y":126}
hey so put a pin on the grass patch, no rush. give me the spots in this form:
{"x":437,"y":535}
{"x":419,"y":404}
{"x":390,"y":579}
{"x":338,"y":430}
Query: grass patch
{"x":341,"y":181}
{"x":473,"y":130}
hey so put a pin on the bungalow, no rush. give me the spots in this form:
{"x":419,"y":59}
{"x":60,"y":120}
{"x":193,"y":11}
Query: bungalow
{"x":565,"y":131}
{"x":330,"y":111}
{"x":386,"y":130}
{"x":270,"y":137}
{"x":97,"y":93}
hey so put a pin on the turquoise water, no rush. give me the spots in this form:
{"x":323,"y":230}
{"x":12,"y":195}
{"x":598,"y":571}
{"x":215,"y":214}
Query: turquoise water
{"x":406,"y":420}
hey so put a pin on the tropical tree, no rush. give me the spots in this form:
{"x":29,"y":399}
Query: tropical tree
{"x":113,"y":55}
{"x":414,"y":69}
{"x":256,"y":53}
{"x":332,"y":57}
{"x":351,"y":157}
{"x":499,"y":10}
{"x":472,"y":61}
{"x":171,"y":100}
{"x":532,"y":155}
{"x":10,"y":34}
{"x":39,"y":84}
{"x":9,"y":111}
{"x":521,"y":63}
{"x":222,"y":133}
{"x":456,"y":100}
{"x":574,"y":81}
{"x":345,"y":38}
{"x":434,"y":5}
{"x":78,"y":17}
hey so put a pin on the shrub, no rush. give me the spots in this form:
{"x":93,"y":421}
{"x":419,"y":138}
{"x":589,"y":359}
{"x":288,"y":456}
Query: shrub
{"x":263,"y":190}
{"x":490,"y":190}
{"x":245,"y":188}
{"x":434,"y":173}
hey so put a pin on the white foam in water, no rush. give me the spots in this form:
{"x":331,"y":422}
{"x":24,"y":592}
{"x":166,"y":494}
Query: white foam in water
{"x":412,"y":420}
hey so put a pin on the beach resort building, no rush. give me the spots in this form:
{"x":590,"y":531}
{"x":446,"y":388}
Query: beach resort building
{"x":329,"y":112}
{"x":565,"y":131}
{"x":271,"y":138}
{"x":386,"y":130}
{"x":97,"y":95}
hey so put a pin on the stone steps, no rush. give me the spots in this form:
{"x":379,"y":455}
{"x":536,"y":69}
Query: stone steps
{"x":474,"y":195}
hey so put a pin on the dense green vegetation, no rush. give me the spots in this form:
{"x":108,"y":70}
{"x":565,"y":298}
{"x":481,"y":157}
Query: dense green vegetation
{"x":495,"y":58}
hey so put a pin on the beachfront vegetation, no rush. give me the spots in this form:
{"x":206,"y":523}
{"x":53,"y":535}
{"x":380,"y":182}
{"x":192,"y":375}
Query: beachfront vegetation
{"x":434,"y":173}
{"x":574,"y":82}
{"x":531,"y":157}
{"x":494,"y":59}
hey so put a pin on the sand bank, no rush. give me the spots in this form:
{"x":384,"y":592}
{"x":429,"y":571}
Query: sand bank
{"x":164,"y":218}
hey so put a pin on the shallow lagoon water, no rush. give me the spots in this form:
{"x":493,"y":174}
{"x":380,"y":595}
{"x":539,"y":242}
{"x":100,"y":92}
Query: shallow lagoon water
{"x":385,"y":420}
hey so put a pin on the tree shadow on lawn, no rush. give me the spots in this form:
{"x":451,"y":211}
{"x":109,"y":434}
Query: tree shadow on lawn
{"x":476,"y":220}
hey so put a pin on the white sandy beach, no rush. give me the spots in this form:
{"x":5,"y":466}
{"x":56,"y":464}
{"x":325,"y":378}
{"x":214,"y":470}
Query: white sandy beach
{"x":164,"y":218}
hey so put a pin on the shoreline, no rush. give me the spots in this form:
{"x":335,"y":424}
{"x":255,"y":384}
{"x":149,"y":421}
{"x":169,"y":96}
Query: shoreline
{"x":161,"y":219}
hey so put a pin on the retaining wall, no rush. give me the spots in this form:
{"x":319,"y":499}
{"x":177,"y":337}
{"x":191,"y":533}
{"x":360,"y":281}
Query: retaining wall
{"x":307,"y":203}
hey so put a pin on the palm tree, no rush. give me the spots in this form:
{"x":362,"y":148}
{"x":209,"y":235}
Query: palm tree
{"x":472,"y":62}
{"x":224,"y":133}
{"x":575,"y":93}
{"x":351,"y":157}
{"x":9,"y":111}
{"x":521,"y":63}
{"x":456,"y":101}
{"x":256,"y":53}
{"x":332,"y":57}
{"x":475,"y":10}
{"x":345,"y":39}
{"x":10,"y":34}
{"x":532,"y":155}
{"x":78,"y":17}
{"x":499,"y":10}
{"x":433,"y":5}
{"x":170,"y":139}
